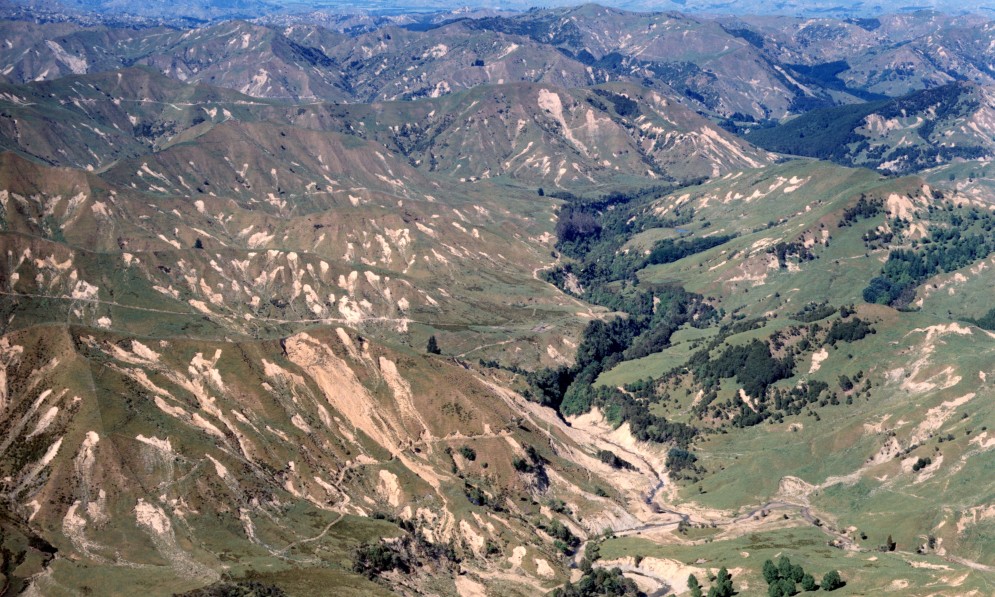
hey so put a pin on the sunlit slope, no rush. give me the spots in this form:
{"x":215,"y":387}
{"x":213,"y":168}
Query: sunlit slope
{"x":897,"y":443}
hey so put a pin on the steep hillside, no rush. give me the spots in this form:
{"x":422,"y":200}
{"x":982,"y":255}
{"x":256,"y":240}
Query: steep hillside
{"x":266,"y":458}
{"x":398,"y":64}
{"x":532,"y":133}
{"x":236,"y":55}
{"x":48,"y":51}
{"x":907,"y":134}
{"x":200,"y":380}
{"x":890,"y":54}
{"x":482,"y":303}
{"x":91,"y":121}
{"x":718,"y":71}
{"x":792,"y":356}
{"x":251,"y":59}
{"x":547,"y":135}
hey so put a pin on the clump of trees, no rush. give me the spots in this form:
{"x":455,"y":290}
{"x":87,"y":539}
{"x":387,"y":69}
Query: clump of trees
{"x":889,"y":545}
{"x":682,"y":464}
{"x":373,"y":559}
{"x":468,"y":453}
{"x":987,"y":321}
{"x":403,"y":554}
{"x":623,"y":106}
{"x":612,"y":459}
{"x":563,"y":538}
{"x":783,"y":250}
{"x":814,"y":312}
{"x":752,"y":364}
{"x":573,"y":225}
{"x":532,"y":462}
{"x":694,"y":586}
{"x":793,"y":400}
{"x":863,"y":209}
{"x":475,"y":495}
{"x":945,"y":250}
{"x":784,"y":579}
{"x":721,"y":587}
{"x":243,"y":588}
{"x":670,"y":250}
{"x":599,"y":582}
{"x":850,"y":330}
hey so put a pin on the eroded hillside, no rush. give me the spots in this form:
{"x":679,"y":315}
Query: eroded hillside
{"x":491,"y":305}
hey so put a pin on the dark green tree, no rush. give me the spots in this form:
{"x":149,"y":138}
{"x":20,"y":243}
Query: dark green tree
{"x":694,"y":586}
{"x":723,"y":584}
{"x":808,"y":583}
{"x":784,"y":567}
{"x":832,"y":581}
{"x":432,"y":347}
{"x":797,"y":573}
{"x":770,"y":572}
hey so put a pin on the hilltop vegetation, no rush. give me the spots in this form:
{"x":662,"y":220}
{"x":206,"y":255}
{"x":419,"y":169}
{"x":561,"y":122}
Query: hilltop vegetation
{"x":898,"y":135}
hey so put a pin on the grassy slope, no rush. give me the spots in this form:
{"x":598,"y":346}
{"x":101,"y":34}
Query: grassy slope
{"x":863,"y":573}
{"x":906,"y":364}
